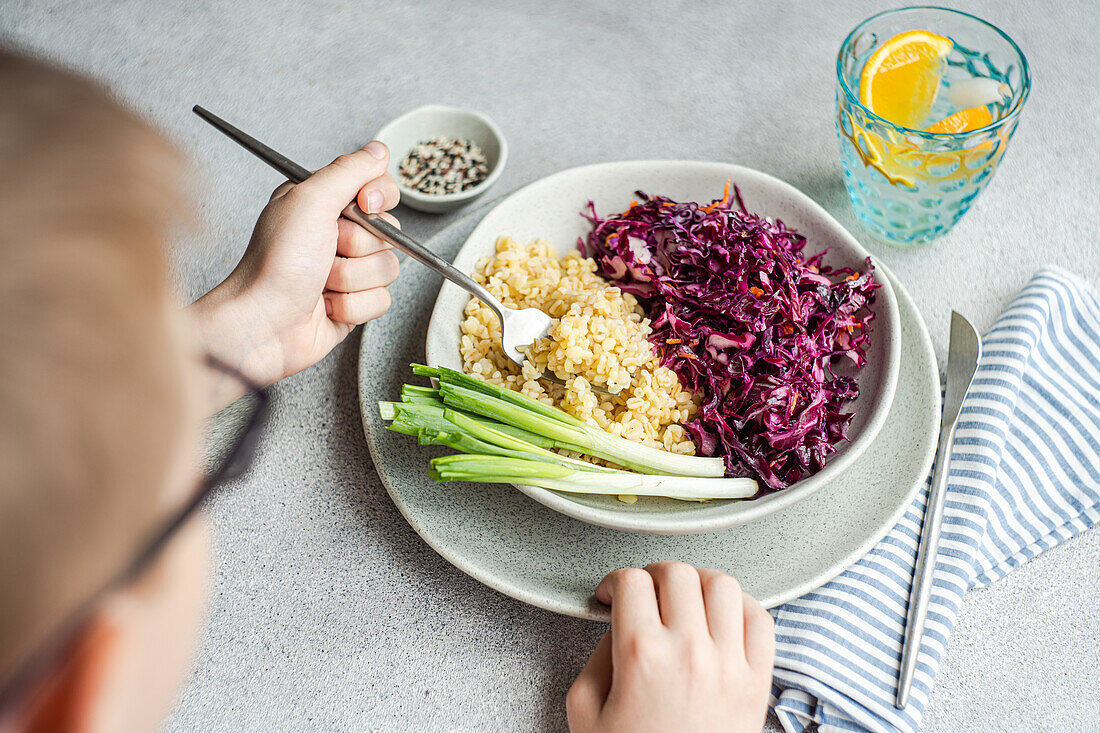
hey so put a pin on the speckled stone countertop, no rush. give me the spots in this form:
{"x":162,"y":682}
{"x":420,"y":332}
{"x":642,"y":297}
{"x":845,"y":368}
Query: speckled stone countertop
{"x":327,"y":611}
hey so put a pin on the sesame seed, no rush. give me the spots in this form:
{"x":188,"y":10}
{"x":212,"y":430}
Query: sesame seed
{"x":443,"y":165}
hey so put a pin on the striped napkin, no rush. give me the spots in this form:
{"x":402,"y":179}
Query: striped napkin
{"x":1024,"y":477}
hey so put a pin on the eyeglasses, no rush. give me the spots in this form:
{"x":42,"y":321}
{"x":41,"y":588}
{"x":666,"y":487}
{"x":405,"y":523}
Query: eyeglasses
{"x":230,"y":460}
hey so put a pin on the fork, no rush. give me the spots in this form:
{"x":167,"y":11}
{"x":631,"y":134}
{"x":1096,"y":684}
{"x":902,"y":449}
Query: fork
{"x":518,"y":328}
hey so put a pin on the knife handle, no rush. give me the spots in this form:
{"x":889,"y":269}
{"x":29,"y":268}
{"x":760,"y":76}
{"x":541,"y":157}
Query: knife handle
{"x":921,"y":591}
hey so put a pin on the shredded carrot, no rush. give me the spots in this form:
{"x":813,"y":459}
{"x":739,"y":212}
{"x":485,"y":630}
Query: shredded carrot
{"x":724,"y":200}
{"x":786,"y":329}
{"x":853,"y":276}
{"x":673,"y":341}
{"x":794,"y":401}
{"x":758,"y":292}
{"x":688,"y":355}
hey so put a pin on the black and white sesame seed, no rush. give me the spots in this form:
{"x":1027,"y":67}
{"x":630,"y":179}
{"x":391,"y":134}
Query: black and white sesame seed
{"x":443,"y":165}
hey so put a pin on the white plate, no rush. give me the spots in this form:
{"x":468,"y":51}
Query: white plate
{"x":550,"y":208}
{"x":525,"y":550}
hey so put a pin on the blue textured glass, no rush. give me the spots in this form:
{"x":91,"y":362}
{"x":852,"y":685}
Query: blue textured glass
{"x":909,"y":186}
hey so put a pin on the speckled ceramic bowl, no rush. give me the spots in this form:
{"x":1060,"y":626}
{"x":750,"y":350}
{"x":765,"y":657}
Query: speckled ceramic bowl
{"x":433,"y":120}
{"x":516,"y":545}
{"x":550,"y":208}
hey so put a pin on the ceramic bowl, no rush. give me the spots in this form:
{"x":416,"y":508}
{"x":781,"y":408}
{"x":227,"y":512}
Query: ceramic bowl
{"x":550,"y":208}
{"x":434,"y":120}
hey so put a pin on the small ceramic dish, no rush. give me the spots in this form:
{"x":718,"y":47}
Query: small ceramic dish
{"x":550,"y":208}
{"x":433,"y":120}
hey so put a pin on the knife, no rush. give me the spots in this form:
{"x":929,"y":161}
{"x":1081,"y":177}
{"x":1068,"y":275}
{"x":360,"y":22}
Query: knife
{"x":962,"y":360}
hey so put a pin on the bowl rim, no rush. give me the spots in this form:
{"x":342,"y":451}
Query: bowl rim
{"x":458,"y":196}
{"x":719,"y":520}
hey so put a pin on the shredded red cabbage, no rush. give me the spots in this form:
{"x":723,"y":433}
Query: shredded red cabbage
{"x":747,"y":322}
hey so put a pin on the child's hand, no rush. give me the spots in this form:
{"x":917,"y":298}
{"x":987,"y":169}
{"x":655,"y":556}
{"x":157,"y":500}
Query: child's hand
{"x":308,"y":277}
{"x":688,"y":650}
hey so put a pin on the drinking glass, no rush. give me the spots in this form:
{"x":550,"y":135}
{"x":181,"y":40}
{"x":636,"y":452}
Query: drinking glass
{"x":909,"y":186}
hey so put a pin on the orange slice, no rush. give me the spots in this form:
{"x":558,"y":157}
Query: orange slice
{"x":900,"y":79}
{"x":964,"y":121}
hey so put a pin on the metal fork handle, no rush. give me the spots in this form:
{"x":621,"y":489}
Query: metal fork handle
{"x":388,"y":232}
{"x":371,"y":222}
{"x":379,"y":226}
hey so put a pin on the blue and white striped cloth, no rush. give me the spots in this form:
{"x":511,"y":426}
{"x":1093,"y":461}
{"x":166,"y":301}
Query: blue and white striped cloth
{"x":1024,"y":476}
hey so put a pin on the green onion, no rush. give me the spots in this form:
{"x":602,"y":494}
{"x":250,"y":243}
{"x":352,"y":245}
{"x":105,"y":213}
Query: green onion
{"x":501,"y":469}
{"x":507,"y":437}
{"x":445,"y":375}
{"x":409,"y":418}
{"x":488,"y":406}
{"x":413,"y":394}
{"x":512,"y":408}
{"x":483,"y":430}
{"x":469,"y":444}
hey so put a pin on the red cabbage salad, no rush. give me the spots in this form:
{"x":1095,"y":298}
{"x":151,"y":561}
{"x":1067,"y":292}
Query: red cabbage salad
{"x":748,"y":322}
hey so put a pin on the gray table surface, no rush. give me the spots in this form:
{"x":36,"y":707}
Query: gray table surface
{"x":327,"y":611}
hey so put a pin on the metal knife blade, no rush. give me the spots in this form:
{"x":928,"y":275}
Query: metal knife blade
{"x":963,"y":354}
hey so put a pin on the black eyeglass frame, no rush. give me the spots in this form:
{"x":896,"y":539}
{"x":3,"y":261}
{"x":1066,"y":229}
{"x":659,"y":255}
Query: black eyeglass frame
{"x":46,"y":657}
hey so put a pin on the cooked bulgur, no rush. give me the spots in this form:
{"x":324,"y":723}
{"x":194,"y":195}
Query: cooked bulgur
{"x":600,"y":339}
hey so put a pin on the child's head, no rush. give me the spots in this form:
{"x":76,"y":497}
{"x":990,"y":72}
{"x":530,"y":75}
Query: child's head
{"x":96,"y":402}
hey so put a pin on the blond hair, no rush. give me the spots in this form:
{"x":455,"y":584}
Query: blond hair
{"x":89,"y":409}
